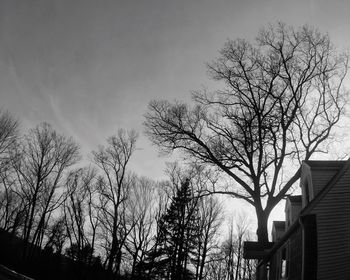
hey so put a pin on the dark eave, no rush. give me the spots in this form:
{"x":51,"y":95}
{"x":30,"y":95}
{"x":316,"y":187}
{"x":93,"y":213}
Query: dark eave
{"x":295,"y":198}
{"x":279,"y":224}
{"x":255,"y":250}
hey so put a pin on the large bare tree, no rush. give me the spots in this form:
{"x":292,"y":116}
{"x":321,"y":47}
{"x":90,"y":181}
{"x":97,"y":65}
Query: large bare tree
{"x":40,"y":163}
{"x":142,"y":209}
{"x":114,"y":188}
{"x":279,"y":102}
{"x":9,"y":201}
{"x":78,"y":207}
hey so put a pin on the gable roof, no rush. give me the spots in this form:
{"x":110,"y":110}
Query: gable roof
{"x":344,"y":166}
{"x":325,"y":163}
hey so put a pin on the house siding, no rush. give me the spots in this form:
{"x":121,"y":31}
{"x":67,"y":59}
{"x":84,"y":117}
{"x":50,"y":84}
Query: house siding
{"x":333,"y":225}
{"x":320,"y":177}
{"x":274,"y":262}
{"x":319,"y":242}
{"x":295,"y":247}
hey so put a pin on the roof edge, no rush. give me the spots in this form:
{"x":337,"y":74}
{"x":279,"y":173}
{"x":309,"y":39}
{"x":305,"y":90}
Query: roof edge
{"x":306,"y":211}
{"x":330,"y":184}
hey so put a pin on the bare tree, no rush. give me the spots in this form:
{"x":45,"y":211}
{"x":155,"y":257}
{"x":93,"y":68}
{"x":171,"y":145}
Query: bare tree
{"x":228,"y":248}
{"x":40,"y":163}
{"x":114,"y":188}
{"x":147,"y":266}
{"x":281,"y":100}
{"x":9,"y":201}
{"x":215,"y":266}
{"x":78,"y":208}
{"x":242,"y":231}
{"x":11,"y":204}
{"x":210,"y":212}
{"x":8,"y":135}
{"x":56,"y":235}
{"x":226,"y":261}
{"x":93,"y":213}
{"x":142,"y":208}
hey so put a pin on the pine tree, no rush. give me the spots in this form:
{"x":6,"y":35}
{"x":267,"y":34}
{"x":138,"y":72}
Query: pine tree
{"x":177,"y":237}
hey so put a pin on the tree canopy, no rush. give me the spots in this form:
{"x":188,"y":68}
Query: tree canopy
{"x":279,"y":102}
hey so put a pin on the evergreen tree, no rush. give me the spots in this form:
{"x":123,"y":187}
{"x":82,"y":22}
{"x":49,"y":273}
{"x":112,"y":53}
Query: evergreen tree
{"x":173,"y":254}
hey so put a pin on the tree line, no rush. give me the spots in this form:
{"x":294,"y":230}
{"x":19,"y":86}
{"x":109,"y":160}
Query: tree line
{"x":104,"y":215}
{"x":278,"y":102}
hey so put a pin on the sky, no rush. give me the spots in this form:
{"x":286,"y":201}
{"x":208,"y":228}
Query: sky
{"x":91,"y":67}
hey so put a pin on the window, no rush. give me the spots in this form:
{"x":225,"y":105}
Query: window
{"x":284,"y":263}
{"x":307,"y":194}
{"x":289,"y":216}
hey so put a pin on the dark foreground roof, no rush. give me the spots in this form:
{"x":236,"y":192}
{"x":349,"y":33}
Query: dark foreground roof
{"x":279,"y":224}
{"x":295,"y":198}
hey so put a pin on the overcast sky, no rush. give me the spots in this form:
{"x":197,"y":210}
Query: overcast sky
{"x":91,"y":67}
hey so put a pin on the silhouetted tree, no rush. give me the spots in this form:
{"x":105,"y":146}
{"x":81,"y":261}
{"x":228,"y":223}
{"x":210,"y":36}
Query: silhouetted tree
{"x":177,"y":237}
{"x":280,"y":102}
{"x":11,"y":204}
{"x":9,"y":200}
{"x":226,"y":261}
{"x":80,"y":254}
{"x":77,"y":207}
{"x":142,"y":209}
{"x":40,"y":163}
{"x":113,"y":188}
{"x":56,"y":236}
{"x":8,"y":136}
{"x":210,"y":218}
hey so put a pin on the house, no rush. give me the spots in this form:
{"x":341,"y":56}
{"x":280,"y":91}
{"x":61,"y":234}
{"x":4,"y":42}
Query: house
{"x":314,"y":240}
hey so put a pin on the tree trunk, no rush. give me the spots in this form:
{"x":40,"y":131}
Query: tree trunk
{"x":263,"y":237}
{"x":204,"y":255}
{"x":238,"y":264}
{"x":262,"y":232}
{"x":111,"y":257}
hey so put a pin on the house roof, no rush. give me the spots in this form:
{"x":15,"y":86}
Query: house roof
{"x":325,"y":163}
{"x":343,"y":166}
{"x":295,"y":198}
{"x":279,"y":224}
